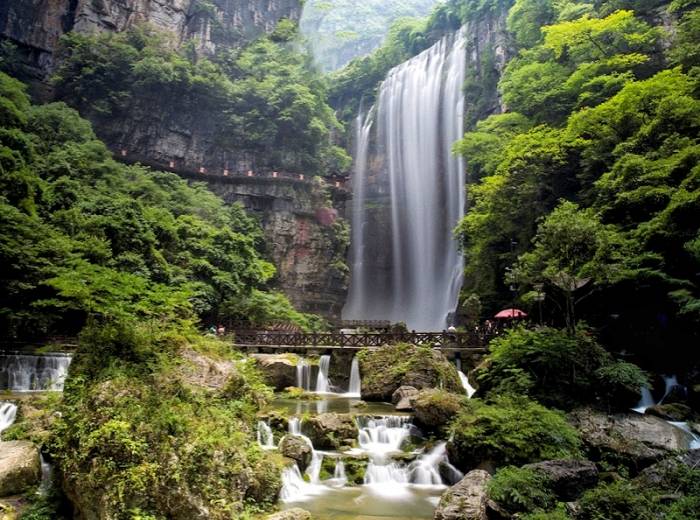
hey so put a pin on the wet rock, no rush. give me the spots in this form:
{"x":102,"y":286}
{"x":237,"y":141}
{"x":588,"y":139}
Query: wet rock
{"x":386,"y":369}
{"x":678,"y":412}
{"x":435,"y":408}
{"x":331,"y":430}
{"x":569,"y":478}
{"x":661,"y":474}
{"x":297,"y":449}
{"x":20,"y":467}
{"x":402,"y":398}
{"x":635,"y":440}
{"x":291,"y":514}
{"x":466,"y":500}
{"x":676,"y":394}
{"x":280,"y":370}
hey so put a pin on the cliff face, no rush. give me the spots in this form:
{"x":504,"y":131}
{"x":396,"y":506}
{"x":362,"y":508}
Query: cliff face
{"x":37,"y":25}
{"x":305,"y":237}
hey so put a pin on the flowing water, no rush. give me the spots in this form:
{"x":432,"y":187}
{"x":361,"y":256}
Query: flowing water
{"x":323,"y":385}
{"x":8,"y":412}
{"x":392,"y":488}
{"x":265,"y":437}
{"x":31,"y":373}
{"x":303,"y":374}
{"x":419,"y":115}
{"x":355,"y":382}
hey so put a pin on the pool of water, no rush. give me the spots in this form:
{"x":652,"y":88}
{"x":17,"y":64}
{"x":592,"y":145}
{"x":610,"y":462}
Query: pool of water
{"x":370,"y":502}
{"x":331,"y":403}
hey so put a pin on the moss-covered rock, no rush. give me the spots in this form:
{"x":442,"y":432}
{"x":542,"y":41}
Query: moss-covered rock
{"x":435,"y":408}
{"x":389,"y":367}
{"x":291,"y":514}
{"x":331,"y":430}
{"x":280,"y":370}
{"x":678,"y":412}
{"x":297,"y":449}
{"x":20,"y":467}
{"x":509,"y":430}
{"x":142,"y":433}
{"x":35,"y":415}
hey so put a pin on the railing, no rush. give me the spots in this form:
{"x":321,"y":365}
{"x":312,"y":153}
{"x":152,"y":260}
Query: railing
{"x":446,"y":340}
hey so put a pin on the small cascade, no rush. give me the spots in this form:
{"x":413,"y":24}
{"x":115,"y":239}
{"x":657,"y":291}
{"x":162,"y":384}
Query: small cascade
{"x":46,"y":476}
{"x":339,"y":472}
{"x":294,"y":425}
{"x":266,"y":439}
{"x":645,"y":402}
{"x":670,"y":382}
{"x":695,"y":442}
{"x":8,"y":412}
{"x":322,"y":381}
{"x":294,"y":486}
{"x":303,"y":374}
{"x":31,"y":373}
{"x":465,"y":384}
{"x":426,"y":470}
{"x":392,"y":473}
{"x":380,"y":436}
{"x":355,"y":382}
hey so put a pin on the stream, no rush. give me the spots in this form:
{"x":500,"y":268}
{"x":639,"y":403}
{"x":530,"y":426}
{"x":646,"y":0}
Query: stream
{"x":404,"y":474}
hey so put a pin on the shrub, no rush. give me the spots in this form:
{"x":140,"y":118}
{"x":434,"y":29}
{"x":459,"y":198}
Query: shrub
{"x":510,"y":430}
{"x":559,"y":369}
{"x":619,"y":500}
{"x":521,"y":490}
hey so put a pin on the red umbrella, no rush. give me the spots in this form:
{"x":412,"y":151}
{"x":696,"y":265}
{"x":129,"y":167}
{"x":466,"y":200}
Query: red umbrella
{"x":507,"y":314}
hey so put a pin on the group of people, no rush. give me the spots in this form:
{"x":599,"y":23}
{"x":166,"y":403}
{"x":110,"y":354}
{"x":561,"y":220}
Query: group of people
{"x":217,"y":330}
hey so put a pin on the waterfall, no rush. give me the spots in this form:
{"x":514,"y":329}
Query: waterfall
{"x":419,"y":116}
{"x":26,"y":373}
{"x":303,"y":374}
{"x":465,"y":384}
{"x":339,"y":472}
{"x":381,"y":436}
{"x":294,"y":425}
{"x":8,"y":412}
{"x":645,"y":401}
{"x":322,"y":382}
{"x":358,"y":288}
{"x":355,"y":383}
{"x":265,"y":437}
{"x":425,"y":470}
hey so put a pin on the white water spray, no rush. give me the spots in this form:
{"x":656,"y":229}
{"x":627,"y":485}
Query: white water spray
{"x":419,"y":117}
{"x":266,"y":439}
{"x":29,"y":373}
{"x":8,"y":413}
{"x":355,"y":382}
{"x":303,"y":374}
{"x":322,"y":381}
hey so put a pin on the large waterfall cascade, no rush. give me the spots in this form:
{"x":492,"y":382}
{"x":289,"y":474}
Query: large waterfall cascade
{"x":418,"y":117}
{"x":29,"y":373}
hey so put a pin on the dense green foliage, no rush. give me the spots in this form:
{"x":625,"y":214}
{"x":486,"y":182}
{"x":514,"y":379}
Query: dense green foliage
{"x":588,"y":184}
{"x":81,"y":235}
{"x":559,"y":369}
{"x":509,"y":430}
{"x":521,"y":489}
{"x":155,"y":422}
{"x":340,"y":30}
{"x":262,"y":99}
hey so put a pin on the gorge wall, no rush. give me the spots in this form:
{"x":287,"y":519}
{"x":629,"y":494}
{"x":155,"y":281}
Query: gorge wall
{"x":37,"y":25}
{"x":304,"y":236}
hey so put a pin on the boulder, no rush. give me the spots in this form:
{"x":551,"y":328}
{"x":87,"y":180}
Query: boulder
{"x":466,"y":500}
{"x":296,"y":448}
{"x":402,"y":398}
{"x":20,"y":467}
{"x":291,"y":514}
{"x":280,"y":370}
{"x":435,"y":408}
{"x":386,"y":369}
{"x":569,"y":478}
{"x":635,"y":440}
{"x":676,"y":394}
{"x":660,"y":475}
{"x":331,"y":430}
{"x":678,"y":412}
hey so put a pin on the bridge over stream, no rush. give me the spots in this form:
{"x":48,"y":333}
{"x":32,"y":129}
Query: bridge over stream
{"x":448,"y":341}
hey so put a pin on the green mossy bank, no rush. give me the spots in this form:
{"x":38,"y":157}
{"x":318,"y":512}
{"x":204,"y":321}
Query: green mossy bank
{"x":156,"y":424}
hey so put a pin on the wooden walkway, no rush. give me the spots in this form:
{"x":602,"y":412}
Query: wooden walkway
{"x":337,"y":340}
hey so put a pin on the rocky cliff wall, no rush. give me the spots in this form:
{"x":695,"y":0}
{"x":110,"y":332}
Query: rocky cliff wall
{"x":37,"y":25}
{"x":305,"y":236}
